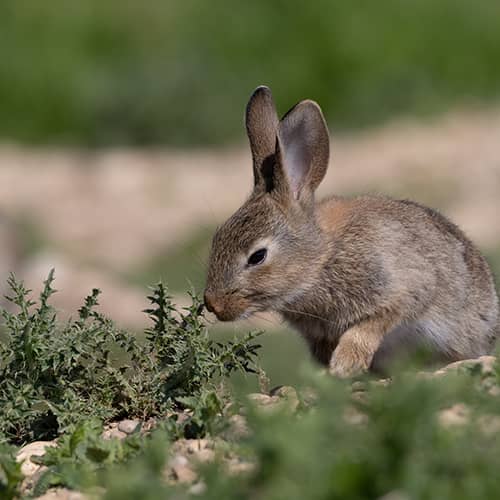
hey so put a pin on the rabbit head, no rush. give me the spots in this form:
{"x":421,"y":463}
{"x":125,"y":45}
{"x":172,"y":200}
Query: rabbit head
{"x":259,"y":254}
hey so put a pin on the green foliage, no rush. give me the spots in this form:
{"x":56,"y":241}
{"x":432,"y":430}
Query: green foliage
{"x":354,"y":441}
{"x":384,"y":440}
{"x":97,"y":73}
{"x":399,"y":446}
{"x":143,"y":476}
{"x":10,"y":472}
{"x":82,"y":454}
{"x":53,"y":375}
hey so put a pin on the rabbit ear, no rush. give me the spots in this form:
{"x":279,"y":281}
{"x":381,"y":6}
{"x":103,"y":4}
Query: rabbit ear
{"x":304,"y":148}
{"x":262,"y":126}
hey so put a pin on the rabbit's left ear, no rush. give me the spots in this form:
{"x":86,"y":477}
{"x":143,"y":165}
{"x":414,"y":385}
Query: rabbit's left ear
{"x":261,"y":122}
{"x":303,"y":146}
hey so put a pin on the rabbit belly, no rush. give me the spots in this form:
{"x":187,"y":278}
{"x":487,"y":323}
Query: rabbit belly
{"x":440,"y":338}
{"x":405,"y":341}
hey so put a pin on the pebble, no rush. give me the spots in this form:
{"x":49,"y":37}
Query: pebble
{"x":113,"y":432}
{"x":458,"y":414}
{"x":181,"y":469}
{"x":62,"y":494}
{"x":128,"y":426}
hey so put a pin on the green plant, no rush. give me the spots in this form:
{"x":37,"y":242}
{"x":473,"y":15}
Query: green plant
{"x":386,"y":440}
{"x":53,"y":375}
{"x":82,"y":454}
{"x":100,"y":73}
{"x":10,"y":472}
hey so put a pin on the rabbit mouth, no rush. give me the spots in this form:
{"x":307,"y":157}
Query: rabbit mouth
{"x":236,"y":305}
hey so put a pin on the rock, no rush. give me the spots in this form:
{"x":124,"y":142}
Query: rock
{"x":494,"y":391}
{"x":29,"y":482}
{"x":198,"y":449}
{"x":288,"y":395}
{"x":112,"y":431}
{"x":382,"y":382}
{"x":309,"y":396}
{"x":282,"y":397}
{"x":187,"y":452}
{"x":489,"y":424}
{"x":148,"y":425}
{"x":485,"y":363}
{"x":263,"y":400}
{"x":62,"y":494}
{"x":394,"y":495}
{"x":128,"y":426}
{"x":198,"y":445}
{"x":456,"y":415}
{"x":353,"y":416}
{"x":37,"y":448}
{"x":181,"y":469}
{"x":235,"y":466}
{"x":237,"y":429}
{"x":198,"y":488}
{"x":358,"y":386}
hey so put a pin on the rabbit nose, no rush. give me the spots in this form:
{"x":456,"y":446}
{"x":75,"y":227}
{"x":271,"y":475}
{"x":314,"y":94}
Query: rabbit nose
{"x":211,"y":303}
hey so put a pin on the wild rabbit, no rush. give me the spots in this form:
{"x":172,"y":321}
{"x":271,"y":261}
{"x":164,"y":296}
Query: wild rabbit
{"x":362,"y":279}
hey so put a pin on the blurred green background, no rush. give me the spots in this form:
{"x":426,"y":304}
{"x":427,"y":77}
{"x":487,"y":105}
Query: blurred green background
{"x":119,"y":122}
{"x":96,"y":73}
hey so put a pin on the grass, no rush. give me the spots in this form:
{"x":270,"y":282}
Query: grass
{"x":179,"y":73}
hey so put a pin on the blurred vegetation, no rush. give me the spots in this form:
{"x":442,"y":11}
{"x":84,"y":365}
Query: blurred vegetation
{"x":181,"y":267}
{"x":179,"y":73}
{"x":355,"y":442}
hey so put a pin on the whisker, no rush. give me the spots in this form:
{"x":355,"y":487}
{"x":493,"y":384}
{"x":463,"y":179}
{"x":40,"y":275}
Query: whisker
{"x":263,"y":318}
{"x":302,"y":313}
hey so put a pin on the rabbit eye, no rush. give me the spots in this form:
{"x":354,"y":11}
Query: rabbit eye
{"x":257,"y":257}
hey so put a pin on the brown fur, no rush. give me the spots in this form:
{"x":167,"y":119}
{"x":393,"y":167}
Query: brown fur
{"x":362,"y":279}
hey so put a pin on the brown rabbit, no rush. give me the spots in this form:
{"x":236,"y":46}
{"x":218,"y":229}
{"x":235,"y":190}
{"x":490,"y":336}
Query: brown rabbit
{"x":362,"y":278}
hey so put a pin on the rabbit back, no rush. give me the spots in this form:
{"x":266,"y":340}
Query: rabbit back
{"x":398,"y":255}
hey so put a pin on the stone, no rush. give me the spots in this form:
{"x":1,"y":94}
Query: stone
{"x":37,"y":448}
{"x":288,"y":395}
{"x":128,"y":426}
{"x":29,"y":482}
{"x":489,"y":424}
{"x":394,"y":495}
{"x":262,"y":400}
{"x":354,"y":417}
{"x":237,"y":429}
{"x":494,"y":391}
{"x":235,"y":466}
{"x":62,"y":494}
{"x":456,"y":415}
{"x":112,"y":431}
{"x":198,"y":488}
{"x":181,"y":469}
{"x":309,"y":396}
{"x":487,"y":364}
{"x":198,"y":449}
{"x":197,"y":445}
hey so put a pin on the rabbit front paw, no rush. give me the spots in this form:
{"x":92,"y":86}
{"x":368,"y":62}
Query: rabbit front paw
{"x":356,"y":348}
{"x":346,"y":365}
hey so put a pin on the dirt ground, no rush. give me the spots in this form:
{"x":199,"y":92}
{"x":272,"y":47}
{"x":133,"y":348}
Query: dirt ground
{"x":93,"y":215}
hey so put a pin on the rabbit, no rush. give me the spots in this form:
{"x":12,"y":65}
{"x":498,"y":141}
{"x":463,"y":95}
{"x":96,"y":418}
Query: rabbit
{"x":362,"y":279}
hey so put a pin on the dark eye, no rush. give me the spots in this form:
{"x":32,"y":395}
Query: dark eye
{"x":257,"y":257}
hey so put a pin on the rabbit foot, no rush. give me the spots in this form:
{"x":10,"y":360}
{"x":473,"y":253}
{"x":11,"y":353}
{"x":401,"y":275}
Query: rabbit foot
{"x":348,"y":365}
{"x":356,"y":348}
